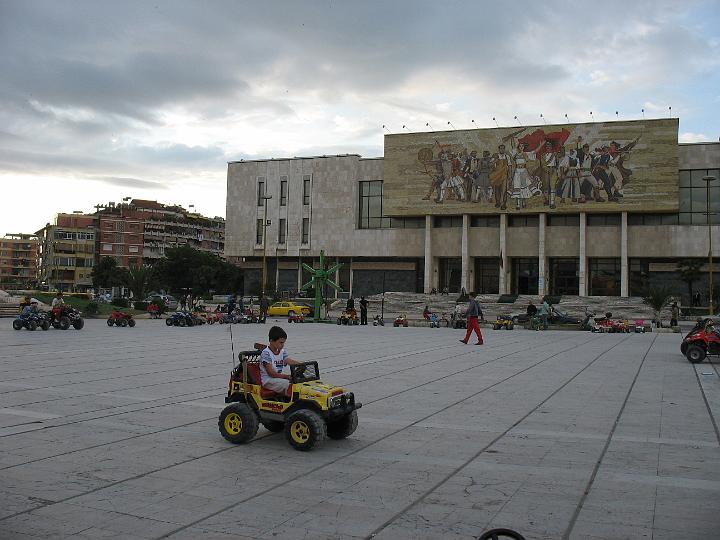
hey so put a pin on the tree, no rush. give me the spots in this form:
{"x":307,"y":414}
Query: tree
{"x":185,"y":268}
{"x":137,"y":278}
{"x":106,"y":274}
{"x":658,"y":299}
{"x":689,"y":270}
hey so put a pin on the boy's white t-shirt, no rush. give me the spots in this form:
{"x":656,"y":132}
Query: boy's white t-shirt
{"x":277,"y":361}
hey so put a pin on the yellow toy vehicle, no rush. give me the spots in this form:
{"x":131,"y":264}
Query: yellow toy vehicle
{"x":309,"y":412}
{"x":504,"y":321}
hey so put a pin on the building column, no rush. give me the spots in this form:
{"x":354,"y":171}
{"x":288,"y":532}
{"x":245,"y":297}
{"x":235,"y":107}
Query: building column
{"x":351,"y":278}
{"x":427,"y":280}
{"x":465,"y":256}
{"x":542,"y":282}
{"x":503,"y":255}
{"x":299,"y":275}
{"x":582,"y":267}
{"x":623,"y":255}
{"x":337,"y":275}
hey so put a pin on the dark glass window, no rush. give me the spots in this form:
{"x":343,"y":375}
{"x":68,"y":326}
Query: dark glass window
{"x":603,"y":220}
{"x":283,"y":190}
{"x":564,"y":277}
{"x":371,"y":206}
{"x":306,"y":189}
{"x":282,"y":229}
{"x":260,"y":191}
{"x":653,"y":219}
{"x":306,"y":230}
{"x":485,"y":221}
{"x":604,"y":277}
{"x":523,"y":221}
{"x":563,"y":220}
{"x":259,"y":232}
{"x":693,"y":196}
{"x":443,"y":222}
{"x":407,"y":223}
{"x":487,"y":275}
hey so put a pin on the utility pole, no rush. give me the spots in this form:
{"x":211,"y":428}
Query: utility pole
{"x":709,"y":179}
{"x":266,"y":198}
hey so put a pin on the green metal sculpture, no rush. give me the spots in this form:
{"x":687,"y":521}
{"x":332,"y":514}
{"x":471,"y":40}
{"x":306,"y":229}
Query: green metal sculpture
{"x":319,"y":280}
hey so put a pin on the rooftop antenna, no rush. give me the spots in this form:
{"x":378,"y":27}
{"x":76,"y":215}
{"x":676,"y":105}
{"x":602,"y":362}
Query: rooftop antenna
{"x":386,"y":128}
{"x":473,"y":123}
{"x":450,"y":124}
{"x":543,"y":118}
{"x":669,"y":112}
{"x":405,"y":127}
{"x":616,"y":115}
{"x":643,"y":113}
{"x":518,"y":121}
{"x":496,"y":124}
{"x":566,"y":118}
{"x":428,"y":125}
{"x":592,"y":118}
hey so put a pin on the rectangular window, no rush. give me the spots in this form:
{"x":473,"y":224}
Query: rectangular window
{"x":693,"y":196}
{"x":133,"y":249}
{"x":485,"y":221}
{"x":306,"y":189}
{"x":306,"y":231}
{"x":603,"y":220}
{"x":283,"y":190}
{"x":406,"y":223}
{"x":563,"y":220}
{"x":261,"y":190}
{"x":259,"y":232}
{"x":371,"y":206}
{"x":523,"y":221}
{"x":107,"y":247}
{"x":604,"y":277}
{"x":653,"y":219}
{"x":445,"y":222}
{"x":282,"y":228}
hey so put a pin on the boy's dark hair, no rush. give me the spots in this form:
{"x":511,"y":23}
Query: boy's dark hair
{"x":276,"y":333}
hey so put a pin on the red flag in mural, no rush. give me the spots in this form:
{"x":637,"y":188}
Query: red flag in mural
{"x":538,"y":138}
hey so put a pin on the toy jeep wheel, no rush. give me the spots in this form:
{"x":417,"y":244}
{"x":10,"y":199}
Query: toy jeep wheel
{"x":510,"y":326}
{"x":273,"y":425}
{"x":305,"y":429}
{"x":344,"y":427}
{"x":238,"y":423}
{"x":695,"y":354}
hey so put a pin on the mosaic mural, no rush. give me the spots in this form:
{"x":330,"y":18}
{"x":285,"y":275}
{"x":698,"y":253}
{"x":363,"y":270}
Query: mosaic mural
{"x":605,"y":167}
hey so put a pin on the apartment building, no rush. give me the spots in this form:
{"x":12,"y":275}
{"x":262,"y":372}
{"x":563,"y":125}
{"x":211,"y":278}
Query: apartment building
{"x":18,"y":260}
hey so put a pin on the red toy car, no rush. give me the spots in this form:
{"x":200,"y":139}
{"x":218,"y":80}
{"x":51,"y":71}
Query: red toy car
{"x":401,"y":320}
{"x":118,"y":318}
{"x":296,"y":318}
{"x":703,"y":340}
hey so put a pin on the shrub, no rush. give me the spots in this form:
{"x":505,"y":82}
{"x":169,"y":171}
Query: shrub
{"x":120,"y":302}
{"x":160,"y":303}
{"x":141,"y":305}
{"x":92,"y":308}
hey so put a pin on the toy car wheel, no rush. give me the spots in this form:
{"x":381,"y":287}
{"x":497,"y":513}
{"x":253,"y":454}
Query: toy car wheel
{"x":498,"y":534}
{"x":32,"y":325}
{"x":78,"y":324}
{"x":109,"y":322}
{"x":168,"y":322}
{"x":131,"y":323}
{"x":510,"y":326}
{"x":684,"y":347}
{"x":695,"y":354}
{"x":238,"y":423}
{"x":273,"y":425}
{"x":305,"y":429}
{"x":64,"y":323}
{"x":344,"y":427}
{"x":17,"y":324}
{"x":182,"y":322}
{"x":45,"y":325}
{"x":496,"y":327}
{"x":122,"y":323}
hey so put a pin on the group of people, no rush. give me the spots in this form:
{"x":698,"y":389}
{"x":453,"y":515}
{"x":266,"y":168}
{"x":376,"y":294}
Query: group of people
{"x":350,"y":305}
{"x":532,"y":166}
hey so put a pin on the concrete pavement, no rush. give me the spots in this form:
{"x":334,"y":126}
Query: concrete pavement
{"x":112,"y":433}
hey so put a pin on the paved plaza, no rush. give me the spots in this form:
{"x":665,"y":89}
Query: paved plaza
{"x":112,"y":433}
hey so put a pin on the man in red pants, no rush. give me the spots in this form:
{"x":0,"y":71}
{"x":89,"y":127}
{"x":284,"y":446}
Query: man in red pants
{"x":473,"y":312}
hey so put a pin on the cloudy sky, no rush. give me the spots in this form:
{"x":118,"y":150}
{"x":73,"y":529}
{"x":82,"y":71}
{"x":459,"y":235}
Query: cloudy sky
{"x":100,"y":100}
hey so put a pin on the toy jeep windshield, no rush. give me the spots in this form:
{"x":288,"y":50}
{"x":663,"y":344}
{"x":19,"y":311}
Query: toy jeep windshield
{"x":307,"y":413}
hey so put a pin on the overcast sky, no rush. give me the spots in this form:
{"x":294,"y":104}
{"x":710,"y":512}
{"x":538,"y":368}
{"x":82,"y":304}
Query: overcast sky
{"x":100,"y":100}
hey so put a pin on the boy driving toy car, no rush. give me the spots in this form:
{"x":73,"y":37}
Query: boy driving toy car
{"x":273,"y":359}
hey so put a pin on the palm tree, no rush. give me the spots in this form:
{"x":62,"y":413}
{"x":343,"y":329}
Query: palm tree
{"x":136,"y":279}
{"x":658,"y":299}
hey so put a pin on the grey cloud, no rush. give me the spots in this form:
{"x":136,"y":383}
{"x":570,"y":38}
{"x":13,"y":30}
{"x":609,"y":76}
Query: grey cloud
{"x":129,"y":182}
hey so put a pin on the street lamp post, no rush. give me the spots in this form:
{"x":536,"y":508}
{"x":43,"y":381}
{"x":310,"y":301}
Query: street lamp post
{"x":709,"y":179}
{"x":266,"y":198}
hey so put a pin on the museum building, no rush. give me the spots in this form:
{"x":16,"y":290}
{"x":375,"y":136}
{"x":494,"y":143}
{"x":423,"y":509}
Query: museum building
{"x":600,"y":209}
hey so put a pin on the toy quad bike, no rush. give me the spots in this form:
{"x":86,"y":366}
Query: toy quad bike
{"x":31,"y":321}
{"x":504,"y":321}
{"x":296,"y":318}
{"x":703,"y":340}
{"x":349,"y":317}
{"x":61,"y":317}
{"x":307,"y":413}
{"x":400,"y":320}
{"x":118,"y":318}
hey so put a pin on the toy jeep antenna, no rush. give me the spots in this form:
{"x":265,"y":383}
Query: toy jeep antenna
{"x":309,"y":412}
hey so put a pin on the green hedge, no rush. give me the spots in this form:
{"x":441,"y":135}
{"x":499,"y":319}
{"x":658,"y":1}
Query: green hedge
{"x":120,"y":302}
{"x":140,"y":305}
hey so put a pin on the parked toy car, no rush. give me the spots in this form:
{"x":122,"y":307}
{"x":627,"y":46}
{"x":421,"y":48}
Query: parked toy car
{"x":702,"y":341}
{"x":296,"y":318}
{"x":307,"y":413}
{"x":349,"y":316}
{"x":504,"y":321}
{"x":401,"y":320}
{"x":118,"y":318}
{"x":286,"y":308}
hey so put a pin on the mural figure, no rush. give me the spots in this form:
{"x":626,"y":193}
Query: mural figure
{"x":521,"y":177}
{"x":500,"y":176}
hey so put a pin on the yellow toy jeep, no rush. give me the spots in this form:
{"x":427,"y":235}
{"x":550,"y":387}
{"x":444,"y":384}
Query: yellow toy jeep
{"x":309,"y":412}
